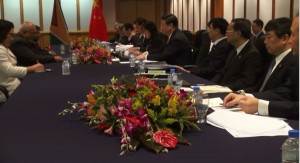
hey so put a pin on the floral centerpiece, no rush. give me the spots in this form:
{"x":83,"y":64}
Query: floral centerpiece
{"x":88,"y":51}
{"x":140,"y":111}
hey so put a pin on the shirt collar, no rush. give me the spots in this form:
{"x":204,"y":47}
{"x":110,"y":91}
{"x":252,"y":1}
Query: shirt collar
{"x":281,"y":56}
{"x":240,"y":48}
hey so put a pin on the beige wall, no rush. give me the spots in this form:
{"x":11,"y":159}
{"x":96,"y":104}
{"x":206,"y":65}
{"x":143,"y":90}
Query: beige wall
{"x":192,"y":14}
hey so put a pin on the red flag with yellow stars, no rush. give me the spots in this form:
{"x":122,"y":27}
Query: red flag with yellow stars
{"x":98,"y":29}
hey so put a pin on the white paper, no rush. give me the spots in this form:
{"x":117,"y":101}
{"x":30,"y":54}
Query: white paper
{"x":123,"y":47}
{"x":239,"y":124}
{"x":115,"y":60}
{"x":146,"y":61}
{"x":214,"y":89}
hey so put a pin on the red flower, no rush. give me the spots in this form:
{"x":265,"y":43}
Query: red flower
{"x":134,"y":121}
{"x":165,"y":138}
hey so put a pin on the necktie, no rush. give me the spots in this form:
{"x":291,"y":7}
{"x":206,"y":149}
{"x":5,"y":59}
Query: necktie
{"x":212,"y":48}
{"x":267,"y":75}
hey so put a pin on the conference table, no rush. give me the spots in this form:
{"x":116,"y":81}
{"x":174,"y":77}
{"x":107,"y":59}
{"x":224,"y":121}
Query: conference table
{"x":32,"y":132}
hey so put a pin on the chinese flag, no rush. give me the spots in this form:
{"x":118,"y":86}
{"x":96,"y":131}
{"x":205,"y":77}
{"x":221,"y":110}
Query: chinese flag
{"x":98,"y":29}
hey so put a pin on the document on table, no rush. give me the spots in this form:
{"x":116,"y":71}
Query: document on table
{"x":214,"y":89}
{"x":146,"y":61}
{"x":239,"y":124}
{"x":115,"y":60}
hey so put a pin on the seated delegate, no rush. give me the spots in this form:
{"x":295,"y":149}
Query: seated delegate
{"x":9,"y":72}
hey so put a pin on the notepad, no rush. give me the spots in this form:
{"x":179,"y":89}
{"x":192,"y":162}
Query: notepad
{"x":214,"y":89}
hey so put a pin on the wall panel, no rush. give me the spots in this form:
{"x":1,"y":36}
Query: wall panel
{"x":128,"y":7}
{"x":185,"y":14}
{"x":85,"y":13}
{"x":281,"y":8}
{"x":239,"y":9}
{"x":191,"y":15}
{"x":251,"y":9}
{"x":295,"y":7}
{"x":197,"y":15}
{"x":265,"y":10}
{"x":145,"y":9}
{"x":12,"y":12}
{"x":228,"y":10}
{"x":203,"y":14}
{"x":31,"y":11}
{"x":47,"y":13}
{"x":70,"y":13}
{"x":108,"y":10}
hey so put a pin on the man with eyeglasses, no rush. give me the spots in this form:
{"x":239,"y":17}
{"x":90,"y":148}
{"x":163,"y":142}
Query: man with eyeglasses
{"x":23,"y":50}
{"x":244,"y":63}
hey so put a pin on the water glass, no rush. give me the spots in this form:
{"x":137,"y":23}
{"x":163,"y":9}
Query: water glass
{"x":202,"y":109}
{"x":179,"y":81}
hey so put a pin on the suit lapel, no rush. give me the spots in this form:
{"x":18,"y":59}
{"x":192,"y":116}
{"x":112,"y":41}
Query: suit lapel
{"x":278,"y":69}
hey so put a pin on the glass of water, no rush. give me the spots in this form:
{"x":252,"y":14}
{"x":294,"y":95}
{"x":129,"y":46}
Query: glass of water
{"x":179,"y":81}
{"x":203,"y":108}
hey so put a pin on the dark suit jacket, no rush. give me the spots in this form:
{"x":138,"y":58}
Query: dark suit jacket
{"x":24,"y":52}
{"x":253,"y":38}
{"x":214,"y":61}
{"x":137,"y":40}
{"x":38,"y":50}
{"x":287,"y":108}
{"x":177,"y":50}
{"x":116,"y":38}
{"x":155,"y":45}
{"x":278,"y":76}
{"x":241,"y":71}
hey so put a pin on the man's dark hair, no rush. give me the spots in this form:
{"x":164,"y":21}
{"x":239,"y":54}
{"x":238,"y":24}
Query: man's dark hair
{"x":5,"y":27}
{"x":280,"y":26}
{"x":170,"y":19}
{"x":243,"y":25}
{"x":140,"y":21}
{"x":127,"y":26}
{"x":219,"y":23}
{"x":259,"y":22}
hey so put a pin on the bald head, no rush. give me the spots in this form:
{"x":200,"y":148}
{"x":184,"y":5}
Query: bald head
{"x":294,"y":39}
{"x":27,"y":30}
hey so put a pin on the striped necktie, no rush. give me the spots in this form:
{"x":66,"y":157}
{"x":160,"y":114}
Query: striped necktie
{"x":267,"y":75}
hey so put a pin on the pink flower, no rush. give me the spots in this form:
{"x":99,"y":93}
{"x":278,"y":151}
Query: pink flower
{"x":165,"y":138}
{"x":109,"y":130}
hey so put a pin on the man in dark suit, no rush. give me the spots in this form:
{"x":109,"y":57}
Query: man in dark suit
{"x":277,"y":106}
{"x":137,"y":36}
{"x":213,"y":54}
{"x":23,"y":49}
{"x":178,"y":48}
{"x":257,"y":26}
{"x":244,"y":63}
{"x":276,"y":41}
{"x":119,"y":33}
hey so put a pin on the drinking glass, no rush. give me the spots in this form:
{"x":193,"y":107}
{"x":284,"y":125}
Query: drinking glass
{"x":179,"y":81}
{"x":202,"y":109}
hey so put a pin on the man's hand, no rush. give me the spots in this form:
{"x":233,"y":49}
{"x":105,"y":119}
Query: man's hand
{"x":249,"y":105}
{"x":232,"y":99}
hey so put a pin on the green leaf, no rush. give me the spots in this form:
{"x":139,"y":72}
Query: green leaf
{"x":150,"y":144}
{"x":169,"y":121}
{"x":134,"y":143}
{"x":182,"y":140}
{"x":151,"y":114}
